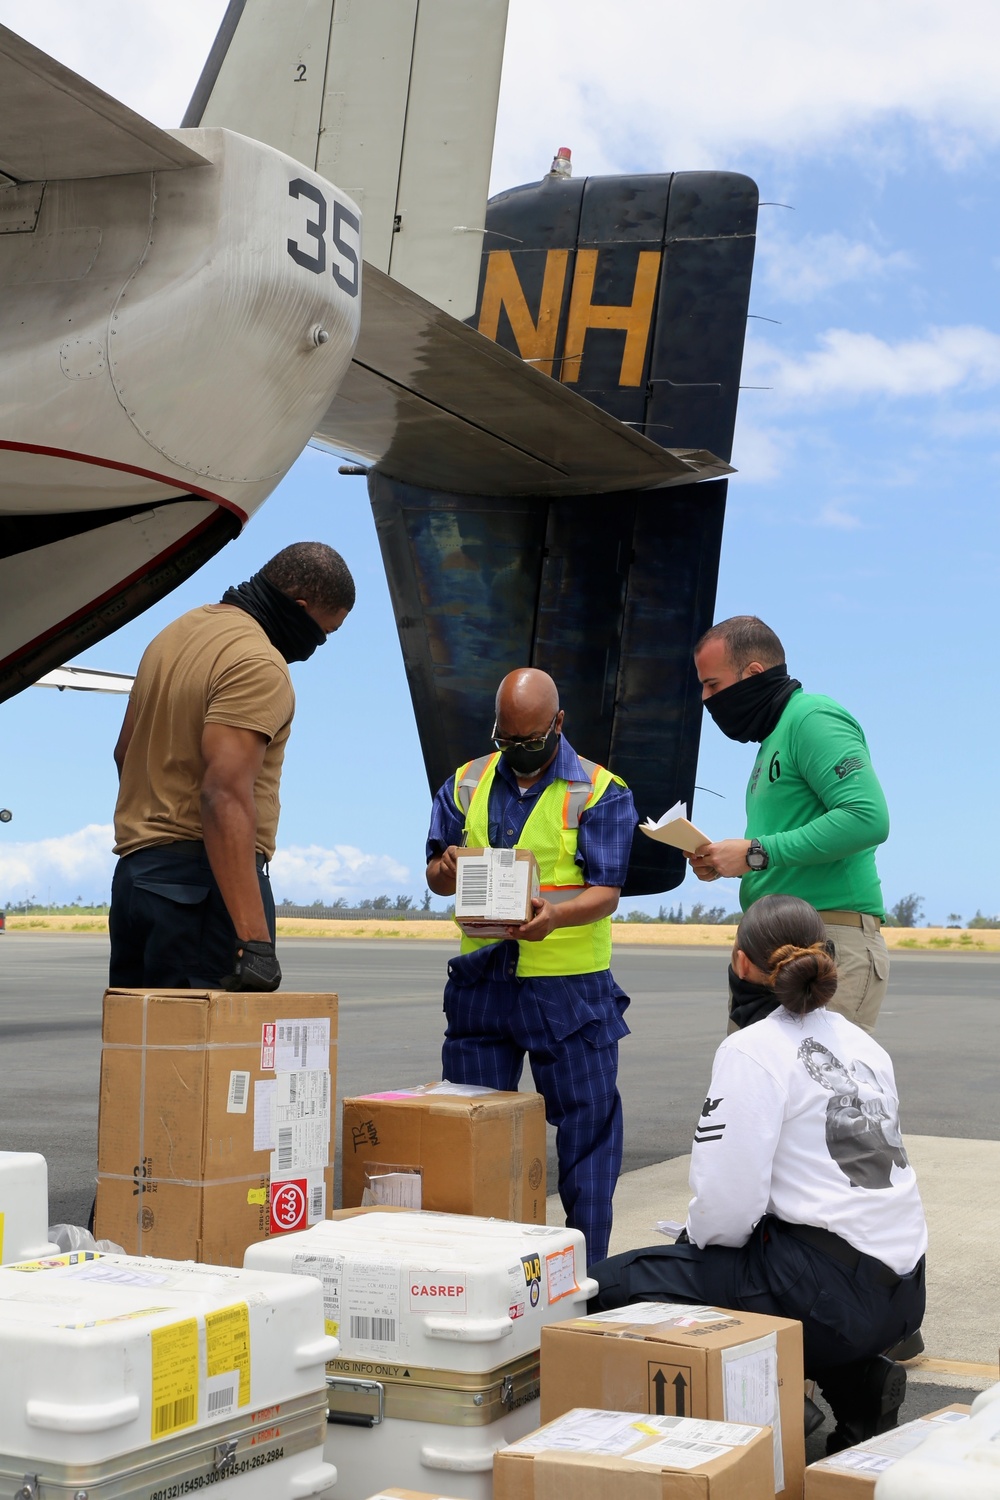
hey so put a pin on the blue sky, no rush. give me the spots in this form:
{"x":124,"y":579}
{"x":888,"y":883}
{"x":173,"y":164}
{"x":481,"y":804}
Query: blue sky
{"x":863,"y":523}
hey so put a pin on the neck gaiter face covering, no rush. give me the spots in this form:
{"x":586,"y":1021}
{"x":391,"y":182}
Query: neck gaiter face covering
{"x":526,"y":762}
{"x":750,"y":709}
{"x":287,"y":625}
{"x":749,"y":1002}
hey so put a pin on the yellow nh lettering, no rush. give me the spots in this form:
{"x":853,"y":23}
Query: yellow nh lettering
{"x":536,"y":341}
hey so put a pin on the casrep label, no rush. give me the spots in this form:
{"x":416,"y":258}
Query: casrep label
{"x":436,"y":1296}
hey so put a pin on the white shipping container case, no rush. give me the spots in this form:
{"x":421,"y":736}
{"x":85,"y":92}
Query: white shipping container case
{"x":24,"y":1207}
{"x":439,"y":1318}
{"x":125,"y":1377}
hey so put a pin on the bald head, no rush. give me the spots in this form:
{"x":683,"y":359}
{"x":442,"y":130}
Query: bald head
{"x":527,"y":691}
{"x":528,"y":710}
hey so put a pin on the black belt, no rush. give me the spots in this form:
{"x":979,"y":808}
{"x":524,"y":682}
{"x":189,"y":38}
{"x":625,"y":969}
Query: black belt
{"x":836,"y":1248}
{"x":188,"y":849}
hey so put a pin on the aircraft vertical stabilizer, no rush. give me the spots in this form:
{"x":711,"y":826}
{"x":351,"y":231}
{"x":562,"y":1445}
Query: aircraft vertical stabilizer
{"x":392,"y":100}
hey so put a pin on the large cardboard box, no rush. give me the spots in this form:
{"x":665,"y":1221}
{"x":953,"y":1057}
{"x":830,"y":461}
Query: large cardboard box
{"x":493,"y":889}
{"x":853,"y":1473}
{"x":452,"y":1148}
{"x":593,"y":1455}
{"x":215,"y":1120}
{"x":673,"y":1359}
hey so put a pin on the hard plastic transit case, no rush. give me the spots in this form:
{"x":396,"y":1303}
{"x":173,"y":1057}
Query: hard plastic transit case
{"x":24,"y":1206}
{"x":139,"y":1379}
{"x":439,"y":1318}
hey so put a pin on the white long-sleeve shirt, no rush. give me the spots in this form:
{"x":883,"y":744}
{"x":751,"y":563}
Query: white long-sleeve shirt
{"x":802,"y":1121}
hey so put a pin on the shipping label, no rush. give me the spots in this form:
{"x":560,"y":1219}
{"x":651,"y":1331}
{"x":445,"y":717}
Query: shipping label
{"x":560,"y":1274}
{"x":302,"y":1044}
{"x":227,"y":1352}
{"x":175,"y":1377}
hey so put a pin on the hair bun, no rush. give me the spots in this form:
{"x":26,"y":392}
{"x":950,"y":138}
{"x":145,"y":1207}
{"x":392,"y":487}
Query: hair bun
{"x":803,"y":979}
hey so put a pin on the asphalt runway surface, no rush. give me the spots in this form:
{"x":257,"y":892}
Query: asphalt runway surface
{"x":940,"y":1024}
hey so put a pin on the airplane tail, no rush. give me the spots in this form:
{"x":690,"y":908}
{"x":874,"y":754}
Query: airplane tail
{"x":634,"y":292}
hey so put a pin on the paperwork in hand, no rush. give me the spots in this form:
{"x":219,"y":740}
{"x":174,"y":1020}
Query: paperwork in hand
{"x":674,"y":829}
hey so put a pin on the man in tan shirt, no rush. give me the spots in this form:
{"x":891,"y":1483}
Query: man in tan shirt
{"x":199,"y":762}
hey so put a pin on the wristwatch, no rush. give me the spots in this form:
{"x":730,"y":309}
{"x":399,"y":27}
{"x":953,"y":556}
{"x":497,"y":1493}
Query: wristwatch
{"x":757,"y":856}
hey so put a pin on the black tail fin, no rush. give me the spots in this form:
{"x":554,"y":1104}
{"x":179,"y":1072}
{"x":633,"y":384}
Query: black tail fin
{"x":634,"y":292}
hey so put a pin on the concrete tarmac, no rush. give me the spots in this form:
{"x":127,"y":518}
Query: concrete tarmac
{"x":940,"y":1025}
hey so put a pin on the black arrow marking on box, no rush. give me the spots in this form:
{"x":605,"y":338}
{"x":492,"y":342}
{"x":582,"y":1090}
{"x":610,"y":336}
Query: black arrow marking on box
{"x":680,"y":1386}
{"x":659,"y":1382}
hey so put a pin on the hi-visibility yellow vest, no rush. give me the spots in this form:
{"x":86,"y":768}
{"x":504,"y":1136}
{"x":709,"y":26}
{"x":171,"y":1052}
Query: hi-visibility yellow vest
{"x":551,"y":834}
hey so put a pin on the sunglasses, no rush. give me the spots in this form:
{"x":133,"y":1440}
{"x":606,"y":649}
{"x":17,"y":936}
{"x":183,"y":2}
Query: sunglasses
{"x":534,"y":742}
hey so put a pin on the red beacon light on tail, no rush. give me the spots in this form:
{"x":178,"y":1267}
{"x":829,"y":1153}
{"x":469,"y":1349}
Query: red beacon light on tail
{"x":562,"y":163}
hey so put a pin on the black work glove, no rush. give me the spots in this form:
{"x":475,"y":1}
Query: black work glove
{"x":255,"y":967}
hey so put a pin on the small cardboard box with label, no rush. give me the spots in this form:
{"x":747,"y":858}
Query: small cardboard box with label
{"x":672,"y":1359}
{"x":215,"y":1120}
{"x":853,"y":1473}
{"x":454,"y":1148}
{"x":494,"y":888}
{"x":145,"y":1378}
{"x":632,"y":1456}
{"x":439,"y":1318}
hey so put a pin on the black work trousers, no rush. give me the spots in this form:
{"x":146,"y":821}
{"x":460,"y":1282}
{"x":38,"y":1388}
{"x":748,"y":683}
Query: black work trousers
{"x":846,"y":1315}
{"x":168,"y":923}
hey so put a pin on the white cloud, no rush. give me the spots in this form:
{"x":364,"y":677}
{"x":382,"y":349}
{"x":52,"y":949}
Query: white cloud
{"x":759,"y":453}
{"x":802,"y":270}
{"x":697,"y":86}
{"x":60,"y":869}
{"x":149,"y":55}
{"x":82,"y":863}
{"x":850,"y":366}
{"x":307,"y":874}
{"x":639,"y":86}
{"x":837,"y":518}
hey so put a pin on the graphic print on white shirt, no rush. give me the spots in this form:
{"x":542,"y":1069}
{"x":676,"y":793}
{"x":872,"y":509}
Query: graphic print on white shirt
{"x":862,"y":1120}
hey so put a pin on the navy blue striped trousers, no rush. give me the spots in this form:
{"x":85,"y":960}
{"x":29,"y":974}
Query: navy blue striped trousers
{"x":570,"y":1029}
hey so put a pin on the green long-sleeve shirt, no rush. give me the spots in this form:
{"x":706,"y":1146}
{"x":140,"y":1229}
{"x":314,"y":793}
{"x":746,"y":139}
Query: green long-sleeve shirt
{"x":815,"y":803}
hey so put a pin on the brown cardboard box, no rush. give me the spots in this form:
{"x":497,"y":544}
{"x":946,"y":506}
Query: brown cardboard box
{"x":482,"y":1153}
{"x":853,"y":1473}
{"x":685,"y":1460}
{"x":179,"y":1173}
{"x":506,"y":881}
{"x":687,"y":1361}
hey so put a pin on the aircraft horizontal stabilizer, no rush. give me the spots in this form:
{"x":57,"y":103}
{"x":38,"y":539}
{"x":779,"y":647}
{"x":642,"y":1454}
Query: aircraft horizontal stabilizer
{"x":432,"y":402}
{"x":55,"y":125}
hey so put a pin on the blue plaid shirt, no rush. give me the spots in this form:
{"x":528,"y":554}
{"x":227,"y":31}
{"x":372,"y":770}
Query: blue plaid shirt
{"x":606,"y":827}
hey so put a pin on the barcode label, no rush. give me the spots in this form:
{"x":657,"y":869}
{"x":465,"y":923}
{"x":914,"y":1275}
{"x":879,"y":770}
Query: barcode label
{"x":506,"y":858}
{"x":379,"y":1330}
{"x":221,"y":1400}
{"x":239,"y":1093}
{"x":285,"y":1148}
{"x":174,"y":1414}
{"x":317,"y":1202}
{"x":475,"y":884}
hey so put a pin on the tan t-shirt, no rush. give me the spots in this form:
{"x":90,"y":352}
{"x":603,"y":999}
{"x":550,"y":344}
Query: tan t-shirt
{"x":214,"y":665}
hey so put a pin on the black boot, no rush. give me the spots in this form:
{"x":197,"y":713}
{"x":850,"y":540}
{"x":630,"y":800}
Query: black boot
{"x":864,"y":1397}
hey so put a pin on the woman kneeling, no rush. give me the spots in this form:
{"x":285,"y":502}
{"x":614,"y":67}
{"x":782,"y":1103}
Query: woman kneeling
{"x":805,"y":1205}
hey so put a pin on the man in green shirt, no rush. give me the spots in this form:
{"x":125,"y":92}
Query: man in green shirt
{"x":815,"y":810}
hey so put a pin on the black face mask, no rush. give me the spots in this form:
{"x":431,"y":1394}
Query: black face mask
{"x":288,"y":625}
{"x":750,"y":709}
{"x":526,"y":762}
{"x":749,"y":1002}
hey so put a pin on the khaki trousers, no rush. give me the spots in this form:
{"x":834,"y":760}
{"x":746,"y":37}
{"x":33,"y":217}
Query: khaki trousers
{"x":862,"y":971}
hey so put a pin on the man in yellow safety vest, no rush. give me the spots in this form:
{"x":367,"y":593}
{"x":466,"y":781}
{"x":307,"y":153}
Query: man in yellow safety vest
{"x":547,"y":989}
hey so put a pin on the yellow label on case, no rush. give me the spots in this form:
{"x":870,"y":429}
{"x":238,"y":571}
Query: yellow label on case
{"x":227,"y":1345}
{"x":257,"y":1196}
{"x":175,"y":1377}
